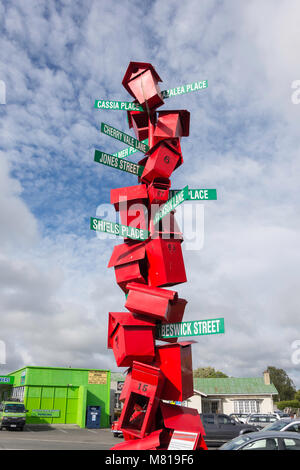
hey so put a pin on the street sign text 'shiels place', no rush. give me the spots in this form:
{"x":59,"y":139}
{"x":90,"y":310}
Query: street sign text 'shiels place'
{"x":148,"y":264}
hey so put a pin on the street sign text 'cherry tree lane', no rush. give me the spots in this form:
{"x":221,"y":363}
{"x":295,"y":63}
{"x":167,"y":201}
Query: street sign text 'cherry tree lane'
{"x":113,"y":228}
{"x":127,"y":139}
{"x":191,"y":328}
{"x":118,"y":163}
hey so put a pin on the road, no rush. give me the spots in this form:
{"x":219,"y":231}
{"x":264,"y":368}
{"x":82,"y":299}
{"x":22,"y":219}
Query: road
{"x":57,"y":438}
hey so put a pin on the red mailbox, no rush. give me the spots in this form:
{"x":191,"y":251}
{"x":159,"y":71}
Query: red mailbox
{"x":142,"y":400}
{"x":125,"y":198}
{"x":165,"y":262}
{"x":131,"y":338}
{"x":150,"y":442}
{"x":158,"y":190}
{"x":172,"y":124}
{"x":160,"y":304}
{"x":139,"y":121}
{"x":129,"y":262}
{"x":181,"y":418}
{"x":167,"y":228}
{"x":163,"y":159}
{"x":141,"y":81}
{"x":175,"y":362}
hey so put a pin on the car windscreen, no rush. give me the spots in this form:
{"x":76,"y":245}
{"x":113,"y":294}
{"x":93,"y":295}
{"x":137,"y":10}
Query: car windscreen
{"x":275,"y":426}
{"x":236,"y":442}
{"x":14,"y":408}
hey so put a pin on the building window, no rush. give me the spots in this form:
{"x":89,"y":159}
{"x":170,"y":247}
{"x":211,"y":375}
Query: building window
{"x":18,"y":393}
{"x":246,"y":406}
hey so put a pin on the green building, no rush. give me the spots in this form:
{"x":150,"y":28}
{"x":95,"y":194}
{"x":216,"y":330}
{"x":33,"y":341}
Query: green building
{"x":59,"y":395}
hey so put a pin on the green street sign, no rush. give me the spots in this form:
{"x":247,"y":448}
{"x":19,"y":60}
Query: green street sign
{"x":118,"y":163}
{"x":45,"y":413}
{"x":171,"y":204}
{"x":127,"y":139}
{"x":128,"y":151}
{"x":6,"y":380}
{"x":118,"y":105}
{"x":198,"y":194}
{"x":113,"y":228}
{"x":191,"y":328}
{"x":181,"y":90}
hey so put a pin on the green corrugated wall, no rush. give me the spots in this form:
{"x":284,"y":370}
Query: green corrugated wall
{"x":66,"y":390}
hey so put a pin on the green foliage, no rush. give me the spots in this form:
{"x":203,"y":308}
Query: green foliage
{"x":281,"y":405}
{"x":284,"y":385}
{"x":297,"y":395}
{"x":208,"y":373}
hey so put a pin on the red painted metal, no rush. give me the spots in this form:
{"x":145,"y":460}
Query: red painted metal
{"x":158,"y":190}
{"x":163,"y":159}
{"x":142,"y":400}
{"x":139,"y":121}
{"x":141,"y":81}
{"x":131,"y":202}
{"x":175,"y":362}
{"x":181,"y":418}
{"x":150,"y":442}
{"x":165,"y":262}
{"x":172,"y":124}
{"x":131,"y":338}
{"x":129,"y":262}
{"x":153,"y":302}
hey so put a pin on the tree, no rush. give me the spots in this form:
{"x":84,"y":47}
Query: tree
{"x":297,"y":395}
{"x":284,"y":385}
{"x":208,"y":373}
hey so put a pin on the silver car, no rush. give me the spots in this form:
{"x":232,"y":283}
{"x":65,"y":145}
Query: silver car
{"x":260,"y":420}
{"x":284,"y":424}
{"x":268,"y":440}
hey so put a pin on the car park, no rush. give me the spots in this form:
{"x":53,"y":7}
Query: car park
{"x":284,"y":424}
{"x":272,"y":440}
{"x":220,"y":428}
{"x":260,"y":420}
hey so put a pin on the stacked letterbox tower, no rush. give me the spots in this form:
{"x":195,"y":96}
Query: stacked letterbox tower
{"x":145,"y":270}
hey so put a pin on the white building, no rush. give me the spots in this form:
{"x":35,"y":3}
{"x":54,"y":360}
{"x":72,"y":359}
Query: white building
{"x":233,"y":395}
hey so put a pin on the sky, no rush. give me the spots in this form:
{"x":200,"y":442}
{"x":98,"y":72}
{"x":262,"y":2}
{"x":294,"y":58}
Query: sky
{"x":56,"y":58}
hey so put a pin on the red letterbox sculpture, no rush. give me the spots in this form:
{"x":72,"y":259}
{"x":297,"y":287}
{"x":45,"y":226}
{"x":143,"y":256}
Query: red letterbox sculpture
{"x":153,"y":302}
{"x":158,"y":191}
{"x":142,"y":400}
{"x":175,"y":362}
{"x":165,"y":262}
{"x":131,"y":338}
{"x":162,"y":160}
{"x":130,"y":202}
{"x":129,"y":262}
{"x":141,"y":81}
{"x":140,"y":122}
{"x":172,"y":124}
{"x":143,"y":270}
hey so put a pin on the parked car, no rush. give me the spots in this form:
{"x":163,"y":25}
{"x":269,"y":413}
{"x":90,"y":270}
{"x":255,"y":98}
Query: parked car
{"x":12,"y":415}
{"x":284,"y":424}
{"x":241,"y":417}
{"x":115,"y":430}
{"x":260,"y":420}
{"x":220,"y":428}
{"x":281,"y":414}
{"x":272,"y":440}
